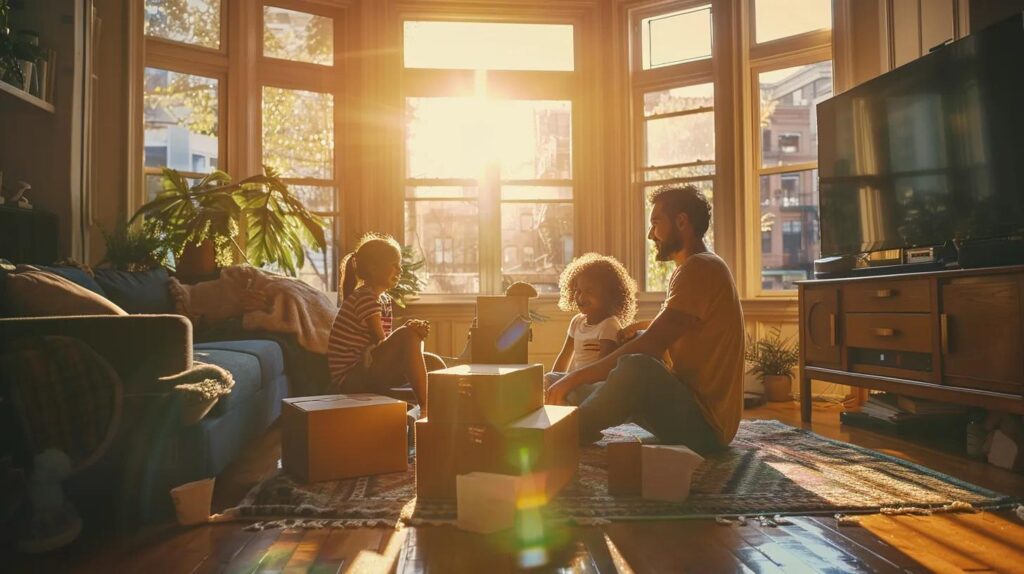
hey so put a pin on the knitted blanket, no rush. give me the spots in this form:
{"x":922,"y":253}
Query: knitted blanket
{"x":203,"y":382}
{"x":292,"y":306}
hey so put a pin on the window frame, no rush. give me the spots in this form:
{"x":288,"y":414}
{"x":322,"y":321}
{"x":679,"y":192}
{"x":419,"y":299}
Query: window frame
{"x":331,"y":79}
{"x":500,"y":85}
{"x":756,"y":169}
{"x":798,"y":50}
{"x":241,"y":71}
{"x":678,"y":75}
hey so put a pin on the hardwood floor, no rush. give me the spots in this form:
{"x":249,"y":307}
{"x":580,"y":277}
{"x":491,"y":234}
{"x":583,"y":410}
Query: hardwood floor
{"x":946,"y":543}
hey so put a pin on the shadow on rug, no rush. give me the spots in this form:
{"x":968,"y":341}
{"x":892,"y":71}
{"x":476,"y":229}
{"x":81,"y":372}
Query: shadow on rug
{"x":770,"y":469}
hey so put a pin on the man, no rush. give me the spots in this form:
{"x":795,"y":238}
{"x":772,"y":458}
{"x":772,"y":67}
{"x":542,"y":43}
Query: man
{"x":696,"y":397}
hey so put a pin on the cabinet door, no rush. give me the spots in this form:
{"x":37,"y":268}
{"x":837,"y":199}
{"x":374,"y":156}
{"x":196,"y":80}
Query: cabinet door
{"x":819,"y":332}
{"x":980,"y":333}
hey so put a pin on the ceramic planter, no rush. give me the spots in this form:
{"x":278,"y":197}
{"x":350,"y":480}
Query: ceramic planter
{"x":778,"y":388}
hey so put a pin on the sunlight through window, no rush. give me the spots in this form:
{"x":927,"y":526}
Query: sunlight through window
{"x":489,"y":46}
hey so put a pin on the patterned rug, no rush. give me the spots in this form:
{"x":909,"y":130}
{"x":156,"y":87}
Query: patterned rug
{"x":770,"y":469}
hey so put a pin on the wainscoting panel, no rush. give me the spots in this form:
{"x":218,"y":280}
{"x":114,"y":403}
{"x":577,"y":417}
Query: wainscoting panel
{"x":450,"y":323}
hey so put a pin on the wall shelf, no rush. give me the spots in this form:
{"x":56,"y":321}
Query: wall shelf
{"x":27,"y":97}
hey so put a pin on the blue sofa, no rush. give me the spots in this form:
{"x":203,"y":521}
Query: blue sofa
{"x":153,"y":450}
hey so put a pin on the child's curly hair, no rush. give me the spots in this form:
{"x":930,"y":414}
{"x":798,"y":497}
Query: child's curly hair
{"x":621,"y":287}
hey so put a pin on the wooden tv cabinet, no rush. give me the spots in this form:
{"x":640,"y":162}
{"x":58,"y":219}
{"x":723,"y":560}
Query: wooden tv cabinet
{"x":954,"y":336}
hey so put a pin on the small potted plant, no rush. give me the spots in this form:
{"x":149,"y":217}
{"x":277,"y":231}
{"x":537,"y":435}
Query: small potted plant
{"x":772,"y":358}
{"x":135,"y":248}
{"x":207,"y":216}
{"x":9,"y":68}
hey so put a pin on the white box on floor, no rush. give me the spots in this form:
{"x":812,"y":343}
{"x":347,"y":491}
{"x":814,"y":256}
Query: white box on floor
{"x":667,"y":471}
{"x":488,"y":502}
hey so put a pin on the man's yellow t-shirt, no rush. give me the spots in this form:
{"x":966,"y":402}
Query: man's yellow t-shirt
{"x":710,"y":358}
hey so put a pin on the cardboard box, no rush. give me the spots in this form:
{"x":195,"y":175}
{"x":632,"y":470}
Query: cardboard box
{"x":484,"y":394}
{"x":668,"y":471}
{"x":502,"y":331}
{"x":544,"y":443}
{"x":624,"y":468}
{"x":1006,"y":451}
{"x":487,"y":502}
{"x":339,"y":436}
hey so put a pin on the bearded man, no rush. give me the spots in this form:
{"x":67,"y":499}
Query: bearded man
{"x":681,"y":376}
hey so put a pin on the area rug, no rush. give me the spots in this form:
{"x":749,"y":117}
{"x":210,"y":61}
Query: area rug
{"x":770,"y":469}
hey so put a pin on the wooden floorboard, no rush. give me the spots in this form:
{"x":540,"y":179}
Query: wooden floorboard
{"x":982,"y":542}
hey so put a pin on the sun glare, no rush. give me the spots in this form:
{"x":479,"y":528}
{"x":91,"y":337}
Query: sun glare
{"x":453,"y":137}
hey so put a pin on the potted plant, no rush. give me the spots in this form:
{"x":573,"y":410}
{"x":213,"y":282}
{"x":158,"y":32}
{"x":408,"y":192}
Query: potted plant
{"x":135,"y":248}
{"x":409,"y":284}
{"x":208,"y":215}
{"x":9,"y":68}
{"x":772,"y":358}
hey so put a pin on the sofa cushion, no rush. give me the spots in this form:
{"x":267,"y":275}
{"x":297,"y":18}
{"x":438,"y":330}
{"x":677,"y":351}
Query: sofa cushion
{"x":76,"y":275}
{"x":244,"y":369}
{"x":35,"y":293}
{"x":144,"y":292}
{"x":265,"y":355}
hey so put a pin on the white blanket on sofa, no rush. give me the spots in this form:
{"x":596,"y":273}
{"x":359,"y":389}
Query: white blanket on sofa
{"x":292,"y":306}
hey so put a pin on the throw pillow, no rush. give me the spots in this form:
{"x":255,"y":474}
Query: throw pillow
{"x":137,"y":292}
{"x":35,"y":293}
{"x":76,"y":275}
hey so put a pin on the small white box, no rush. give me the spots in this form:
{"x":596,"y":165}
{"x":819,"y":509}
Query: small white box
{"x":487,"y":501}
{"x":667,"y":471}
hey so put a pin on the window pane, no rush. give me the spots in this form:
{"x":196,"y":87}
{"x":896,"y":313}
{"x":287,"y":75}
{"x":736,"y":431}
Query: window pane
{"x":789,"y":227}
{"x":316,"y":198}
{"x":535,"y":138}
{"x":155,"y":184}
{"x":444,"y":138}
{"x":680,"y":139}
{"x":703,"y":170}
{"x":679,"y":99}
{"x":676,"y":38}
{"x":543,"y":235}
{"x":440,"y":192}
{"x":446,"y":235}
{"x":781,"y":18}
{"x":458,"y":137}
{"x":189,"y":21}
{"x":488,"y":46}
{"x":659,"y":272}
{"x":298,"y":36}
{"x":789,"y":99}
{"x":535,"y":192}
{"x":180,"y":112}
{"x":298,"y":132}
{"x":320,"y":267}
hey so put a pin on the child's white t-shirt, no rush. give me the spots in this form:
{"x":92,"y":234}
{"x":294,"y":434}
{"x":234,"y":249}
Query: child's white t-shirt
{"x":587,"y":339}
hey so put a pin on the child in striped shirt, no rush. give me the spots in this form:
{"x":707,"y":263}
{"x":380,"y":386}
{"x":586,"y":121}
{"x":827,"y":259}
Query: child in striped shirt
{"x":364,"y":354}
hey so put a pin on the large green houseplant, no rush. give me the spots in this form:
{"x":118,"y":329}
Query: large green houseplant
{"x":261,"y":210}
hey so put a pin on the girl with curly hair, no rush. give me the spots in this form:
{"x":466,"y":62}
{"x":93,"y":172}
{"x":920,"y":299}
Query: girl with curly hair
{"x":603,"y":296}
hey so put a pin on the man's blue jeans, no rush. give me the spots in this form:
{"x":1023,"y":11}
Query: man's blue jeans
{"x":640,"y":389}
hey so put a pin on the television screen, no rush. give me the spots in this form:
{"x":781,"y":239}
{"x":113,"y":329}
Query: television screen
{"x":929,"y":152}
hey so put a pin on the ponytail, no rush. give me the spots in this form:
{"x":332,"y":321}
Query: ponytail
{"x":347,"y":280}
{"x":371,"y":247}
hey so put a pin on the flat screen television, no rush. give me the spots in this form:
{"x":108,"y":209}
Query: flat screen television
{"x":930,"y":152}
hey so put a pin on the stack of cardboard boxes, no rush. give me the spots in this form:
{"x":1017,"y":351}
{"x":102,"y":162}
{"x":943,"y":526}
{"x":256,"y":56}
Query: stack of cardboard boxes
{"x":492,"y":419}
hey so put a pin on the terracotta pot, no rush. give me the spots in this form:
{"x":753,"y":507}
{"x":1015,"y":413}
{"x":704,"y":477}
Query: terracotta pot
{"x":197,"y":263}
{"x":778,"y":388}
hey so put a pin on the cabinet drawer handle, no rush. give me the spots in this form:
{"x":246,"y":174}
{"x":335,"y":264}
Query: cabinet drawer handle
{"x":884,"y":332}
{"x":884,"y":293}
{"x":944,"y":332}
{"x":832,"y":329}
